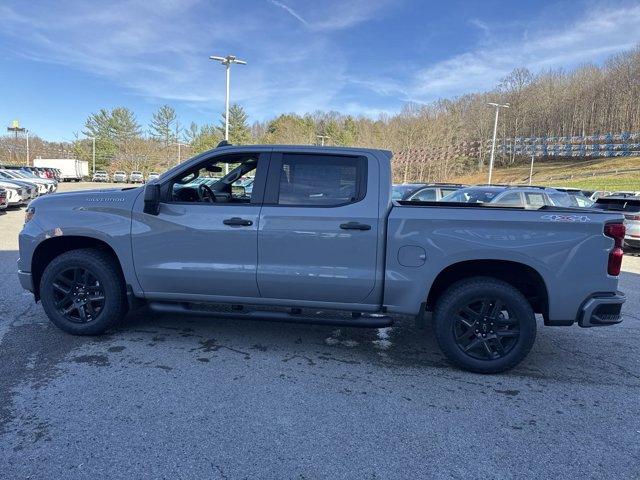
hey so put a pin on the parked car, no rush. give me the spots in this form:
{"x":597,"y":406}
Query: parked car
{"x":400,"y":191}
{"x":629,"y":205}
{"x":577,"y":197}
{"x":136,"y":177}
{"x":433,"y":192}
{"x":29,"y":191}
{"x":3,"y":199}
{"x":45,"y":185}
{"x":627,"y":193}
{"x":329,"y":239}
{"x":100,"y":176}
{"x":120,"y":177}
{"x":17,"y":196}
{"x":599,"y":193}
{"x":152,"y":176}
{"x":71,"y":169}
{"x":510,"y":195}
{"x":35,"y":182}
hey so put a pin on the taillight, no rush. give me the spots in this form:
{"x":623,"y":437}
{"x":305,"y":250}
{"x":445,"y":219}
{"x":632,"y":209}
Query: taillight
{"x":615,"y":231}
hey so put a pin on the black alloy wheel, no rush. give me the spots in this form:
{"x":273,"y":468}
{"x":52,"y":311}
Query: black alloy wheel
{"x":78,"y":295}
{"x":485,"y":329}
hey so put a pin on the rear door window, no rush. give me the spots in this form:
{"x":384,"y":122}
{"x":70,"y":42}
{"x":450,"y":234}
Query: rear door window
{"x":320,"y":180}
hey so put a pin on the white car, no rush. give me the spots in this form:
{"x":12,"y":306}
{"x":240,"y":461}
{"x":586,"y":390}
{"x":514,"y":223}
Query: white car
{"x":136,"y":177}
{"x":152,"y":176}
{"x":100,"y":176}
{"x":39,"y":183}
{"x":16,"y":196}
{"x":120,"y":177}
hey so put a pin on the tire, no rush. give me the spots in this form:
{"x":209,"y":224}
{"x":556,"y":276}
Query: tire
{"x":484,"y":325}
{"x":103,"y":279}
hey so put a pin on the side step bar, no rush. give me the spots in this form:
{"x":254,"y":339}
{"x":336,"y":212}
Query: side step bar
{"x":365,"y":321}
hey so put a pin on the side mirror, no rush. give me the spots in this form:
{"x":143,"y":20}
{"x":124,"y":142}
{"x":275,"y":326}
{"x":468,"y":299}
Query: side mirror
{"x":152,"y":199}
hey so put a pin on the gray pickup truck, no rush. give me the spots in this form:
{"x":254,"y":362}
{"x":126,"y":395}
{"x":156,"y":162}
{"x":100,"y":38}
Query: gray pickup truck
{"x":318,"y":239}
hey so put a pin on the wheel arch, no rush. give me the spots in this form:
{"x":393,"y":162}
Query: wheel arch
{"x":523,"y":277}
{"x":52,"y":247}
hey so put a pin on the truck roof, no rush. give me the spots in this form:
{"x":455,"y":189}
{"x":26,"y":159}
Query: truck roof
{"x":239,"y":148}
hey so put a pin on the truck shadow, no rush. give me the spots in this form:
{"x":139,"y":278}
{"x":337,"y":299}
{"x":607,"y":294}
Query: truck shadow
{"x":599,"y":356}
{"x":569,"y":354}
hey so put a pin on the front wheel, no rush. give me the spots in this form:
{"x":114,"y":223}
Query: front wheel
{"x":83,"y":292}
{"x":484,"y":325}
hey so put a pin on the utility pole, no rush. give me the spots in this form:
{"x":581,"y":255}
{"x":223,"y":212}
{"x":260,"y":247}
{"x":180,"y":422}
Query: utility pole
{"x":93,"y":153}
{"x":495,"y":131}
{"x":27,"y":134}
{"x":179,"y":144}
{"x":531,"y":169}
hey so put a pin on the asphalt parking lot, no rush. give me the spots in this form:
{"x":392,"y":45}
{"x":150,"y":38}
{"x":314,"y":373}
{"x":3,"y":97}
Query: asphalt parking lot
{"x":180,"y":397}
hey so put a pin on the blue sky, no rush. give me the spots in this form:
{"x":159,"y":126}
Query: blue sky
{"x":62,"y":60}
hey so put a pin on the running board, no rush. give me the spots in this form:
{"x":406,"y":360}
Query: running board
{"x":364,"y":320}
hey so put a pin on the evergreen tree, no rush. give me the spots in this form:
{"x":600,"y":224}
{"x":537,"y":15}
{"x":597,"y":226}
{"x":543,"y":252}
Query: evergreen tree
{"x":125,"y":128}
{"x":203,"y":138}
{"x":163,"y":125}
{"x":239,"y":132}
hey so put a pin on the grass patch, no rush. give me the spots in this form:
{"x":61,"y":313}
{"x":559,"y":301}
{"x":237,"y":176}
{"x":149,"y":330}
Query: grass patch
{"x":601,"y":183}
{"x":591,"y":174}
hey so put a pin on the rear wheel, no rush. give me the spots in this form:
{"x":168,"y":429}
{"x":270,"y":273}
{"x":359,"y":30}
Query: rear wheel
{"x":83,"y":292}
{"x":484,"y":325}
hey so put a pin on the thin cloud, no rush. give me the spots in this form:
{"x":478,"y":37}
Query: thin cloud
{"x":596,"y":35}
{"x":290,"y":11}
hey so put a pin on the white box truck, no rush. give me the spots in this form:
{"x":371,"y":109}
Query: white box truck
{"x":70,"y":168}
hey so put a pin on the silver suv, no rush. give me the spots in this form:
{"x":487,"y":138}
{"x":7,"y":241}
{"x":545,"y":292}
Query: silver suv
{"x":433,"y":192}
{"x":507,"y":195}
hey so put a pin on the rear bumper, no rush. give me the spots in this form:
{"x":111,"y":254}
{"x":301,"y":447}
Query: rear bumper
{"x":25,"y":280}
{"x":601,"y":310}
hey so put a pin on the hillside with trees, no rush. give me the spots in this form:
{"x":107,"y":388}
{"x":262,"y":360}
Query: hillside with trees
{"x":436,"y":141}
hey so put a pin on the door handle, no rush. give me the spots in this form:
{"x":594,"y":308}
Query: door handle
{"x":355,"y":226}
{"x":237,"y":222}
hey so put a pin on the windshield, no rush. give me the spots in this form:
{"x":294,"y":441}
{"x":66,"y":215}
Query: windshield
{"x":472,"y":195}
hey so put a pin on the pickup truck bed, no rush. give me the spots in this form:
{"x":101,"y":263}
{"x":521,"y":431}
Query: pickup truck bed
{"x":318,"y":231}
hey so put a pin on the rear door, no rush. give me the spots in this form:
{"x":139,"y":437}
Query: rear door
{"x":319,"y":225}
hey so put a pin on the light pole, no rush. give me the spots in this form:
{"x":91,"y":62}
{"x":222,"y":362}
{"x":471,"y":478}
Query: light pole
{"x":26,"y":132}
{"x":227,"y":61}
{"x":15,"y":128}
{"x":93,"y":153}
{"x":531,"y":169}
{"x":495,"y":131}
{"x":179,"y":144}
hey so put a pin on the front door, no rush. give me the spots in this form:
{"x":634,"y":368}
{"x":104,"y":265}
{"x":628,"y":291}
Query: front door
{"x":203,"y":242}
{"x":318,"y":233}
